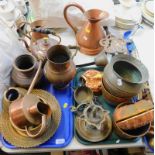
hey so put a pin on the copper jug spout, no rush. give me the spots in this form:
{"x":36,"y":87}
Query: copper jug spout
{"x":39,"y":108}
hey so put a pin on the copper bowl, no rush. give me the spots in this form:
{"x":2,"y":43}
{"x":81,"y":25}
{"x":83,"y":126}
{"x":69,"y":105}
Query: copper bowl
{"x":112,"y":100}
{"x":130,"y":134}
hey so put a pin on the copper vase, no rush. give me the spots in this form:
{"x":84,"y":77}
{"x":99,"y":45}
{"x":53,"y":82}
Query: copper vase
{"x":24,"y":70}
{"x":59,"y":68}
{"x":89,"y":36}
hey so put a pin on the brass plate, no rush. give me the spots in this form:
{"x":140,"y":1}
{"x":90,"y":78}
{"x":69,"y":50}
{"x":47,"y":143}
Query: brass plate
{"x":92,"y":135}
{"x":14,"y":138}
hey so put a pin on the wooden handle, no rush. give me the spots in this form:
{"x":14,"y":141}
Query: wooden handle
{"x":66,"y":15}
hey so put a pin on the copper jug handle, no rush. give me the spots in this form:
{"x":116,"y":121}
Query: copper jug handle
{"x":66,"y":15}
{"x":42,"y":128}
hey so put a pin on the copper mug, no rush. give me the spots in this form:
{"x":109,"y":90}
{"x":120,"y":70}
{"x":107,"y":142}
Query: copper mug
{"x":89,"y":36}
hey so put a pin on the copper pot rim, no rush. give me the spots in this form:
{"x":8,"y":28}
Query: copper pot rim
{"x":135,"y":62}
{"x":122,"y":131}
{"x":25,"y":70}
{"x":66,"y":49}
{"x":104,"y":14}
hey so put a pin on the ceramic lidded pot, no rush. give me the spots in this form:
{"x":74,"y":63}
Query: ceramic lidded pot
{"x":59,"y":68}
{"x":92,"y":32}
{"x":24,"y":70}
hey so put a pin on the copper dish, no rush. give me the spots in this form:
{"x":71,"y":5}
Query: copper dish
{"x":130,"y":134}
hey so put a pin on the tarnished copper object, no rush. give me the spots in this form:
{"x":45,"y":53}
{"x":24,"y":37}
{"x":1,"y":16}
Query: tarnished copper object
{"x":24,"y":70}
{"x":91,"y":33}
{"x":130,"y":116}
{"x":132,"y":133}
{"x":93,"y":80}
{"x":59,"y":68}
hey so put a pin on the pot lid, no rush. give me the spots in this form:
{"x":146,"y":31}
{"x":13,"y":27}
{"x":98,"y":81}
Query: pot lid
{"x":138,"y":69}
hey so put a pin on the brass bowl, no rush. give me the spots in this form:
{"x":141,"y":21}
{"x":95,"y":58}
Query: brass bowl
{"x":112,"y":100}
{"x":115,"y":91}
{"x":83,"y":94}
{"x":130,"y":134}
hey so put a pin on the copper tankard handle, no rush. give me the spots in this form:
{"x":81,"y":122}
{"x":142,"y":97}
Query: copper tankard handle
{"x":66,"y":15}
{"x":42,"y":128}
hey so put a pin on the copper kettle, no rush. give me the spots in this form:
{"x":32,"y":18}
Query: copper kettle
{"x":89,"y":36}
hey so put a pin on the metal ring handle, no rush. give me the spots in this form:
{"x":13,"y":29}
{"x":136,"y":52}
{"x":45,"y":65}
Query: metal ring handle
{"x":41,"y":131}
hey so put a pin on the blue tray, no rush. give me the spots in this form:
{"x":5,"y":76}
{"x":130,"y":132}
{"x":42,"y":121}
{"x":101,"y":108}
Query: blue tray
{"x":64,"y":133}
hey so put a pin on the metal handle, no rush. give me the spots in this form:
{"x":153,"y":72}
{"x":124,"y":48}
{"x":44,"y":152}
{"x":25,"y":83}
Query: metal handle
{"x":35,"y":77}
{"x":41,"y":131}
{"x":66,"y":15}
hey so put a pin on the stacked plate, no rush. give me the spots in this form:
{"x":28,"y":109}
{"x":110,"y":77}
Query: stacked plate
{"x":148,"y":12}
{"x":127,"y":17}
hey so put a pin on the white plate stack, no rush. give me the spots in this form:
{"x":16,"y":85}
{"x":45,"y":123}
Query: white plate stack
{"x":148,"y":12}
{"x":127,"y":17}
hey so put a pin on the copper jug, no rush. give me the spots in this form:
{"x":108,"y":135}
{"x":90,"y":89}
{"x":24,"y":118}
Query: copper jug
{"x":59,"y":68}
{"x":89,"y":36}
{"x":29,"y":111}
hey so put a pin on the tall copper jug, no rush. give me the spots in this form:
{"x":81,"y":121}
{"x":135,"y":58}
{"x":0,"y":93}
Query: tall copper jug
{"x":89,"y":36}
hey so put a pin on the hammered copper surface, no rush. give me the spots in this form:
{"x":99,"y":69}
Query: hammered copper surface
{"x":92,"y":32}
{"x":14,"y":138}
